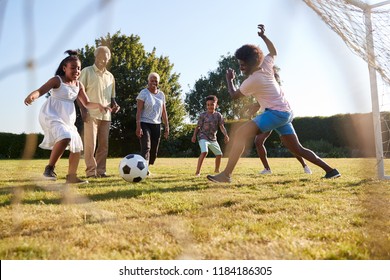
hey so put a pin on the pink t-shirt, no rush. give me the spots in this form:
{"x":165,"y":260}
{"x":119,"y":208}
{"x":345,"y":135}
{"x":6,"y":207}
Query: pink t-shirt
{"x":262,"y":85}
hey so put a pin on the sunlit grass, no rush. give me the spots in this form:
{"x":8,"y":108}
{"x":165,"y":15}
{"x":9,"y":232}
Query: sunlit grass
{"x":175,"y":215}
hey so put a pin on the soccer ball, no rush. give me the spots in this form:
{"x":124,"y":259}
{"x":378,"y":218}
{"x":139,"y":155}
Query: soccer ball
{"x":133,"y":168}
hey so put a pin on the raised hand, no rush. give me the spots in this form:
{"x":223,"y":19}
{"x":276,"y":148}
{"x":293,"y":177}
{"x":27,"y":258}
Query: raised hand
{"x":261,"y":29}
{"x":230,"y":74}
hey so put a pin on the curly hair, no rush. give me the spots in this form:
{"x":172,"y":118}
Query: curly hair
{"x":252,"y":55}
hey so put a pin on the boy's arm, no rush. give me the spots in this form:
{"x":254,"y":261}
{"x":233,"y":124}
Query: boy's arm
{"x":224,"y":131}
{"x":193,"y":139}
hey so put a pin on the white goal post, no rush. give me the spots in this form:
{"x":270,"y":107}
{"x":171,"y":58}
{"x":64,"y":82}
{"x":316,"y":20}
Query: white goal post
{"x":365,"y":29}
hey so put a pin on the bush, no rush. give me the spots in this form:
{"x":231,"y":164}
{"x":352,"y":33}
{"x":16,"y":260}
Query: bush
{"x":325,"y":149}
{"x":337,"y":136}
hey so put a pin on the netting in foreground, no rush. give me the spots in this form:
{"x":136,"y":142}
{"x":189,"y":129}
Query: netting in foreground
{"x":365,"y":28}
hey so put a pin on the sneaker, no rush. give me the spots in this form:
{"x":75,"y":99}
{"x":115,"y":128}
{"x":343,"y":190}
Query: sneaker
{"x":307,"y":170}
{"x":49,"y":173}
{"x":73,"y":179}
{"x":103,"y":175}
{"x":265,"y":171}
{"x":219,"y":178}
{"x":332,"y":174}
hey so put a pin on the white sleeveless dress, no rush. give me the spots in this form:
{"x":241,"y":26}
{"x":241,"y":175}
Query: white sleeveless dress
{"x":57,"y":118}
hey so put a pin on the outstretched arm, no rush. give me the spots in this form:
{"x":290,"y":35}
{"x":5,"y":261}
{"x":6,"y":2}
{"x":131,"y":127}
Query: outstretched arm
{"x":52,"y":83}
{"x":84,"y":100}
{"x":270,"y":46}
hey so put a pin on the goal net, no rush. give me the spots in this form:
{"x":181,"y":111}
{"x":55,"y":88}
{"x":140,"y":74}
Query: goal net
{"x":365,"y":28}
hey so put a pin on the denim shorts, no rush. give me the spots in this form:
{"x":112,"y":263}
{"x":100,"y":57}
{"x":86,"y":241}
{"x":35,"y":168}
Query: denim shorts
{"x":213,"y":145}
{"x":275,"y":120}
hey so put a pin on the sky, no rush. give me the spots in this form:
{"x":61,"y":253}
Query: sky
{"x":320,"y":75}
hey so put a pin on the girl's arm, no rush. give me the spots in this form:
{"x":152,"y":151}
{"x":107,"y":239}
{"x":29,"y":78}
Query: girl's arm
{"x":83,"y":98}
{"x":52,"y":83}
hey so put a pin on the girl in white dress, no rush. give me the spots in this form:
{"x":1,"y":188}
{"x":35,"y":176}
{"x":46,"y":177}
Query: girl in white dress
{"x":58,"y":115}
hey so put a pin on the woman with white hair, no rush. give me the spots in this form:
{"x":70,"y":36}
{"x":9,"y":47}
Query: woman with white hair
{"x":151,"y":111}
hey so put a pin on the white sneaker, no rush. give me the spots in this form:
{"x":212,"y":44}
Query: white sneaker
{"x":307,"y":170}
{"x":265,"y":172}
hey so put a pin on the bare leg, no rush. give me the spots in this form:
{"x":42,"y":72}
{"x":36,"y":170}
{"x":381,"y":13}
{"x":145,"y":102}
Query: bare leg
{"x":292,"y":143}
{"x":71,"y":178}
{"x":58,"y":150}
{"x":200,"y":162}
{"x":241,"y":138}
{"x":74,"y":159}
{"x":261,"y":150}
{"x":301,"y":160}
{"x":217,"y":163}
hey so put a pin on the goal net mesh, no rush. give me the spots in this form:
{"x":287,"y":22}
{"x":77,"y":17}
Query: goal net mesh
{"x":365,"y":28}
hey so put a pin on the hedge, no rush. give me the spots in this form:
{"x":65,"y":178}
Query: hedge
{"x":349,"y":135}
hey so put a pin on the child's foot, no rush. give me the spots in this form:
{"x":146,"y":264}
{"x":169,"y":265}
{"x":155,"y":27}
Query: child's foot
{"x":197,"y":174}
{"x":49,"y":173}
{"x":73,"y":179}
{"x":334,"y":173}
{"x":307,"y":170}
{"x":219,"y":178}
{"x":217,"y":171}
{"x":265,"y":171}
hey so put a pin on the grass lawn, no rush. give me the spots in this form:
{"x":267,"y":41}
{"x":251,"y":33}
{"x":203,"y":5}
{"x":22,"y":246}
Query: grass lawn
{"x":175,"y":215}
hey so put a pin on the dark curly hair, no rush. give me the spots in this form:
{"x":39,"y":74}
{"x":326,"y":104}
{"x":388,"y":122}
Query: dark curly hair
{"x":252,"y":55}
{"x":72,"y":56}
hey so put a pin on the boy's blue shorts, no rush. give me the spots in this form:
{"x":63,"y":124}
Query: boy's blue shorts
{"x":275,"y":120}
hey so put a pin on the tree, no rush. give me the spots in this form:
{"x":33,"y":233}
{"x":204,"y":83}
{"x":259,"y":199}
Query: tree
{"x":215,"y":83}
{"x":131,"y":64}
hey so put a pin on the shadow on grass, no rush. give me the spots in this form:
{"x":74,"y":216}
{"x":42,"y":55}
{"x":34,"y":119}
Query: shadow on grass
{"x":133,"y":193}
{"x":125,"y":190}
{"x":122,"y":191}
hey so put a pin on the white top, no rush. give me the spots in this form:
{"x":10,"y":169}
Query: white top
{"x":263,"y":86}
{"x":153,"y":105}
{"x":57,"y":118}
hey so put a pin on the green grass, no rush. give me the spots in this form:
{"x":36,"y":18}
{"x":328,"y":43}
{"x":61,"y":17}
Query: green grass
{"x":175,"y":215}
